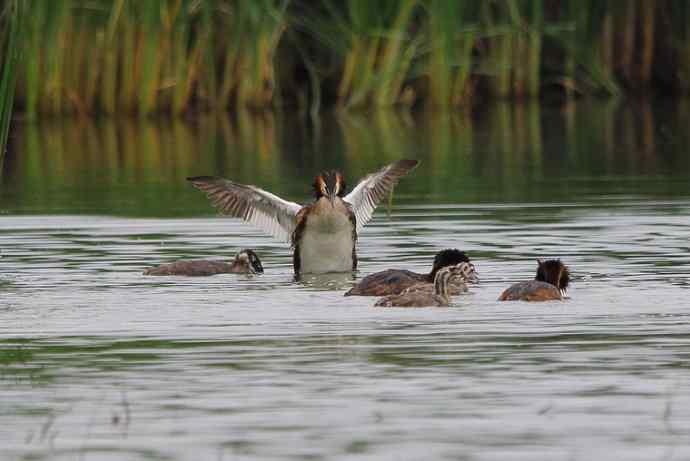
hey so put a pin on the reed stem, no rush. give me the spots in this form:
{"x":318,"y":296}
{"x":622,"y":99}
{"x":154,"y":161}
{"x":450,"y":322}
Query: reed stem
{"x":176,"y":56}
{"x":10,"y":40}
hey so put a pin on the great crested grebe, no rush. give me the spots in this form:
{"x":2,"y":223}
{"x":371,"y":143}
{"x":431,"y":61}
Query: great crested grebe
{"x":394,"y":281}
{"x":550,"y":283}
{"x":414,"y":297}
{"x":245,"y":262}
{"x":322,"y":233}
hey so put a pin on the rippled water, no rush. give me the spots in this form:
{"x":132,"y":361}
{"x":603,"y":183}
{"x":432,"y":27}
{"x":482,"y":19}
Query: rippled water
{"x":99,"y":362}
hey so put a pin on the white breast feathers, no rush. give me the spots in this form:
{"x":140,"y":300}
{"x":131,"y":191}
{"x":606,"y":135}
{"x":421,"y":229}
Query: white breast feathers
{"x":327,"y":242}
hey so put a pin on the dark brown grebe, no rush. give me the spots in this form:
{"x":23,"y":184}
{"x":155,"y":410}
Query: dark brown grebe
{"x":550,"y":283}
{"x":419,"y":296}
{"x":394,"y":281}
{"x":323,"y":233}
{"x":245,"y":262}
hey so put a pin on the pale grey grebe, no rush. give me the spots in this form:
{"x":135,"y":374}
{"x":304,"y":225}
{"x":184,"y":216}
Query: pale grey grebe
{"x":323,"y":233}
{"x":245,"y":262}
{"x":419,"y":296}
{"x":550,"y":283}
{"x":394,"y":281}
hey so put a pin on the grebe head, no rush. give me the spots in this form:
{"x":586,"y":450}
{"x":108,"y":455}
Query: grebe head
{"x":441,"y":280}
{"x":465,"y":272}
{"x":553,"y":271}
{"x":250,"y":259}
{"x":329,"y":184}
{"x":448,"y":257}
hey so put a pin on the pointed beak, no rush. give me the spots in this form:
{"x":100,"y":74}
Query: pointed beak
{"x":257,"y":268}
{"x":472,"y":277}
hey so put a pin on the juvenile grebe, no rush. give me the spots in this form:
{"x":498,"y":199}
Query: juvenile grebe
{"x":440,"y":296}
{"x":322,"y":233}
{"x":456,"y":285}
{"x":550,"y":283}
{"x":245,"y":262}
{"x":394,"y":281}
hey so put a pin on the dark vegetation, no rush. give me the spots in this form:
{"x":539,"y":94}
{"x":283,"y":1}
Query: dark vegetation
{"x":174,"y":56}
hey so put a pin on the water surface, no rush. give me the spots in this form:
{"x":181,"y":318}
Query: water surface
{"x":100,"y":362}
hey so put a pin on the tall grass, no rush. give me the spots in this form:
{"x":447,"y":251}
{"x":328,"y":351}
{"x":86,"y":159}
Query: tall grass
{"x":10,"y":38}
{"x":452,"y":35}
{"x":176,"y":56}
{"x":584,"y":34}
{"x":372,"y":47}
{"x":680,"y":12}
{"x":158,"y":55}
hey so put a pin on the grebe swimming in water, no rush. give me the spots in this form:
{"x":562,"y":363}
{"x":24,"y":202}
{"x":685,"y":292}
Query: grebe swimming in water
{"x":322,"y":233}
{"x":417,"y":296}
{"x":550,"y":283}
{"x":245,"y":262}
{"x":458,"y":282}
{"x":394,"y":281}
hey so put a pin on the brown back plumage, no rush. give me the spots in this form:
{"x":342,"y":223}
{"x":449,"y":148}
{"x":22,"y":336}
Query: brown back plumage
{"x":553,"y":271}
{"x":395,"y":281}
{"x":550,"y":283}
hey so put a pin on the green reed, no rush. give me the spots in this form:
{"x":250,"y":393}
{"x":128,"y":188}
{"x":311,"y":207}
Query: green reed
{"x":10,"y":37}
{"x":591,"y":21}
{"x":371,"y":45}
{"x":452,"y":34}
{"x":176,"y":56}
{"x":159,"y":55}
{"x":680,"y":12}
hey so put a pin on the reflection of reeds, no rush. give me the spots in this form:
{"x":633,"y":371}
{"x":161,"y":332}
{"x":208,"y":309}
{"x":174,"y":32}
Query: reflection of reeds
{"x":387,"y":133}
{"x":148,"y":157}
{"x":600,"y":120}
{"x":508,"y":152}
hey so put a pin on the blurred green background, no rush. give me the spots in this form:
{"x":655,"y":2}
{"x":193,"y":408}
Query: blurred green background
{"x":502,"y":153}
{"x":176,"y":56}
{"x":117,"y":101}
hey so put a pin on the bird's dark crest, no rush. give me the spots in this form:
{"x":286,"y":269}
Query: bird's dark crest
{"x":254,"y":260}
{"x":553,"y":271}
{"x":329,"y":181}
{"x":447,"y":257}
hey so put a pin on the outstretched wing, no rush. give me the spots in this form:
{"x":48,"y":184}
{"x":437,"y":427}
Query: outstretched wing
{"x":256,"y":206}
{"x":373,"y":188}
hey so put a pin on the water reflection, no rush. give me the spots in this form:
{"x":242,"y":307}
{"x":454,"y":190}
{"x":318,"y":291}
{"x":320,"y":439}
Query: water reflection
{"x":320,"y":282}
{"x":501,"y":153}
{"x":98,"y":361}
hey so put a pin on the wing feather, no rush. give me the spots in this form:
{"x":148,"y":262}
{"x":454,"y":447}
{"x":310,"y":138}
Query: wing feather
{"x":375,"y":187}
{"x":256,"y":206}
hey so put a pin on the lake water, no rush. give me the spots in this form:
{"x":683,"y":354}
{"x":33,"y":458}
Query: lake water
{"x":100,"y":362}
